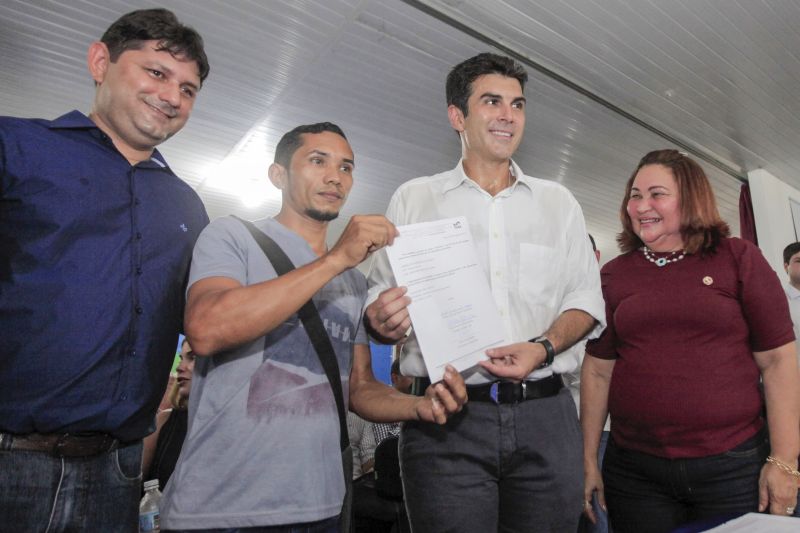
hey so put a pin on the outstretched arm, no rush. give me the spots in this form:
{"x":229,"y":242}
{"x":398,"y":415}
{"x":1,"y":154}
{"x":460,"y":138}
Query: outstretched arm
{"x":221,"y":313}
{"x":778,"y":488}
{"x":378,"y":402}
{"x":595,"y":383}
{"x":516,"y":361}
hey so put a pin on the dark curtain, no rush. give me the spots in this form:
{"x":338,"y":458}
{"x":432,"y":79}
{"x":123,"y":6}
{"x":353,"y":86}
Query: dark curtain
{"x":747,"y":221}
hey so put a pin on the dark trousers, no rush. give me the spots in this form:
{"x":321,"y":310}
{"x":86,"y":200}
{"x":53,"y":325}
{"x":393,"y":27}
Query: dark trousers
{"x":510,"y":468}
{"x":649,"y":494}
{"x":40,"y":492}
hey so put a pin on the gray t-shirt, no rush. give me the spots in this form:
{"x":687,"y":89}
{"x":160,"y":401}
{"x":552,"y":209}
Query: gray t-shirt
{"x":262,"y":447}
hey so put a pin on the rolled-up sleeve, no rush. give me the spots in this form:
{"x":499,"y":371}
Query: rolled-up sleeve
{"x":582,"y":275}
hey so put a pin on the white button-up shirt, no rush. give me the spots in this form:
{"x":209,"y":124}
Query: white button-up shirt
{"x":532,"y":245}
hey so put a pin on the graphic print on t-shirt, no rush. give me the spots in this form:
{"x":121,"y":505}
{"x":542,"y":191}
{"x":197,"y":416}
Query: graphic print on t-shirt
{"x":291,"y":382}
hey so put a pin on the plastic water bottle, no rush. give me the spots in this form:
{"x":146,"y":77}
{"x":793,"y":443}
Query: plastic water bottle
{"x":148,"y":508}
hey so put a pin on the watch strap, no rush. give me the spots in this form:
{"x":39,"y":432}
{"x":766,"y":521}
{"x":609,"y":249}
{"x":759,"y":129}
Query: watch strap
{"x":548,"y":347}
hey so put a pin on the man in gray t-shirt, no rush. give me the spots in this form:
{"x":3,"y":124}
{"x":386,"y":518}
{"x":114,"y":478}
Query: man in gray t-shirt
{"x":262,"y":447}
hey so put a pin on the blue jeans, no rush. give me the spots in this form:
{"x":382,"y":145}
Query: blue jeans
{"x":43,"y":493}
{"x":601,"y":526}
{"x":329,"y":525}
{"x":507,"y":468}
{"x":649,"y":494}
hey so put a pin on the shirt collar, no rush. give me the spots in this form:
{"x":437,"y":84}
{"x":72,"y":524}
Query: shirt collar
{"x":791,"y":292}
{"x":77,"y":120}
{"x":72,"y":120}
{"x":458,"y":177}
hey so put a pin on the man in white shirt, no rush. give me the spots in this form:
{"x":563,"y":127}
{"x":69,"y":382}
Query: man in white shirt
{"x":791,"y":263}
{"x":512,"y":459}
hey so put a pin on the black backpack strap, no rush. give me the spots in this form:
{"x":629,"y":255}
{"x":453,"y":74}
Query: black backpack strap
{"x":311,"y":321}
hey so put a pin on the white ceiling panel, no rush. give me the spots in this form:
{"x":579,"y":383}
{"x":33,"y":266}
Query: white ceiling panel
{"x":718,"y":76}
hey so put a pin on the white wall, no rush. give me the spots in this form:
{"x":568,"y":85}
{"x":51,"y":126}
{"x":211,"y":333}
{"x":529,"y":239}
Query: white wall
{"x":774,"y":224}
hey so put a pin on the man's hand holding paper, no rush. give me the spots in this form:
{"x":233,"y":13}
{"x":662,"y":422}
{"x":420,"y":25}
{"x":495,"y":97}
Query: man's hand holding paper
{"x":451,"y":306}
{"x":387,"y":317}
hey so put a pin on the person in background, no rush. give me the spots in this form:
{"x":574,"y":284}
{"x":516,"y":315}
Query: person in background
{"x":162,"y":447}
{"x":96,"y":234}
{"x":791,"y":264}
{"x":511,"y":459}
{"x":696,"y":320}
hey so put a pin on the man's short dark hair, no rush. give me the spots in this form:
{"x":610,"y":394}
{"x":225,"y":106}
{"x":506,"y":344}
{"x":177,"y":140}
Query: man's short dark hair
{"x":131,"y":30}
{"x":789,"y":251}
{"x":459,"y":82}
{"x":291,"y":140}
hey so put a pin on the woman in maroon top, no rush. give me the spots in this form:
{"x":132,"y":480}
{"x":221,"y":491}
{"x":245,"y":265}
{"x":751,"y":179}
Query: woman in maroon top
{"x":695,"y":318}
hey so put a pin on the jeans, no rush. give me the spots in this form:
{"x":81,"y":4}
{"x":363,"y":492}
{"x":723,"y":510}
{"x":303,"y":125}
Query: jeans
{"x":649,"y":494}
{"x":601,"y":526}
{"x":329,"y":525}
{"x":43,"y":493}
{"x":511,"y":467}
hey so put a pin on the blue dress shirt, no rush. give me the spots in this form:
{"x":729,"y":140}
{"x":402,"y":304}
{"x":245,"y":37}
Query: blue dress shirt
{"x":94,"y":255}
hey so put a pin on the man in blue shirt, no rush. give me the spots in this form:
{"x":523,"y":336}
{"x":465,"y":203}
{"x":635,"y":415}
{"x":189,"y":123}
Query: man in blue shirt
{"x":96,"y":234}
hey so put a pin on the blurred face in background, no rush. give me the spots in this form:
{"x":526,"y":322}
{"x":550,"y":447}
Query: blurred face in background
{"x":184,"y":371}
{"x":793,"y":269}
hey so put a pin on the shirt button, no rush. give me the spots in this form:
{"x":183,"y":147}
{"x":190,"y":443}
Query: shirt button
{"x":123,"y":397}
{"x":138,"y":271}
{"x":132,"y":353}
{"x":139,"y":310}
{"x":138,"y":236}
{"x":136,"y":201}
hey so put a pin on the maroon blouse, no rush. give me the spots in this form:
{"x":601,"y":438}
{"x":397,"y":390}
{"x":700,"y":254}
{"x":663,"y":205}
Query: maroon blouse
{"x":685,"y":383}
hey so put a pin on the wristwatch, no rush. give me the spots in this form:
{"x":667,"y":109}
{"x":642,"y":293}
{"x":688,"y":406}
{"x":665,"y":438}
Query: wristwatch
{"x":548,"y":347}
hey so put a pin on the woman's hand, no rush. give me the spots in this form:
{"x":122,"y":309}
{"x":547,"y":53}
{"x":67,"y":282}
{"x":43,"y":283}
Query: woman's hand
{"x":593,"y":483}
{"x":777,"y":491}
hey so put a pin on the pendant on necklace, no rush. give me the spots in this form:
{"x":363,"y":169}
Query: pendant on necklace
{"x":663,"y":261}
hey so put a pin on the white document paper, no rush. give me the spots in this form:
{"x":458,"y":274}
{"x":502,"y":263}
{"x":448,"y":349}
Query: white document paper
{"x":759,"y":523}
{"x":452,"y":310}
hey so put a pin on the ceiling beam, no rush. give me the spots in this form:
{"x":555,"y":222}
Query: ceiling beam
{"x":688,"y":147}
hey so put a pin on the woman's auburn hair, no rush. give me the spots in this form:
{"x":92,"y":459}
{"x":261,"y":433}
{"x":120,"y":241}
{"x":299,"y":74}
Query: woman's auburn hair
{"x":701,"y":226}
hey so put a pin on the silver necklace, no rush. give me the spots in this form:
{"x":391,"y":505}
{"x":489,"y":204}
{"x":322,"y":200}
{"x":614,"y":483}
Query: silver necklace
{"x":663,"y":261}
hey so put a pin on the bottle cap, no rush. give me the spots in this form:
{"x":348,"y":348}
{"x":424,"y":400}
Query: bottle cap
{"x":151,"y":484}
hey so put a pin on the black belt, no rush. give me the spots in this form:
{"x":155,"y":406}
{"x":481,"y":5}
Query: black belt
{"x":503,"y":391}
{"x":61,"y":444}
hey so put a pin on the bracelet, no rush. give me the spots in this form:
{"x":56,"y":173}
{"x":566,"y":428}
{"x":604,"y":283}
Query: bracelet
{"x":783,"y":466}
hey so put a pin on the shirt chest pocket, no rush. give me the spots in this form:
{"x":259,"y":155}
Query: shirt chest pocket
{"x":539,"y":273}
